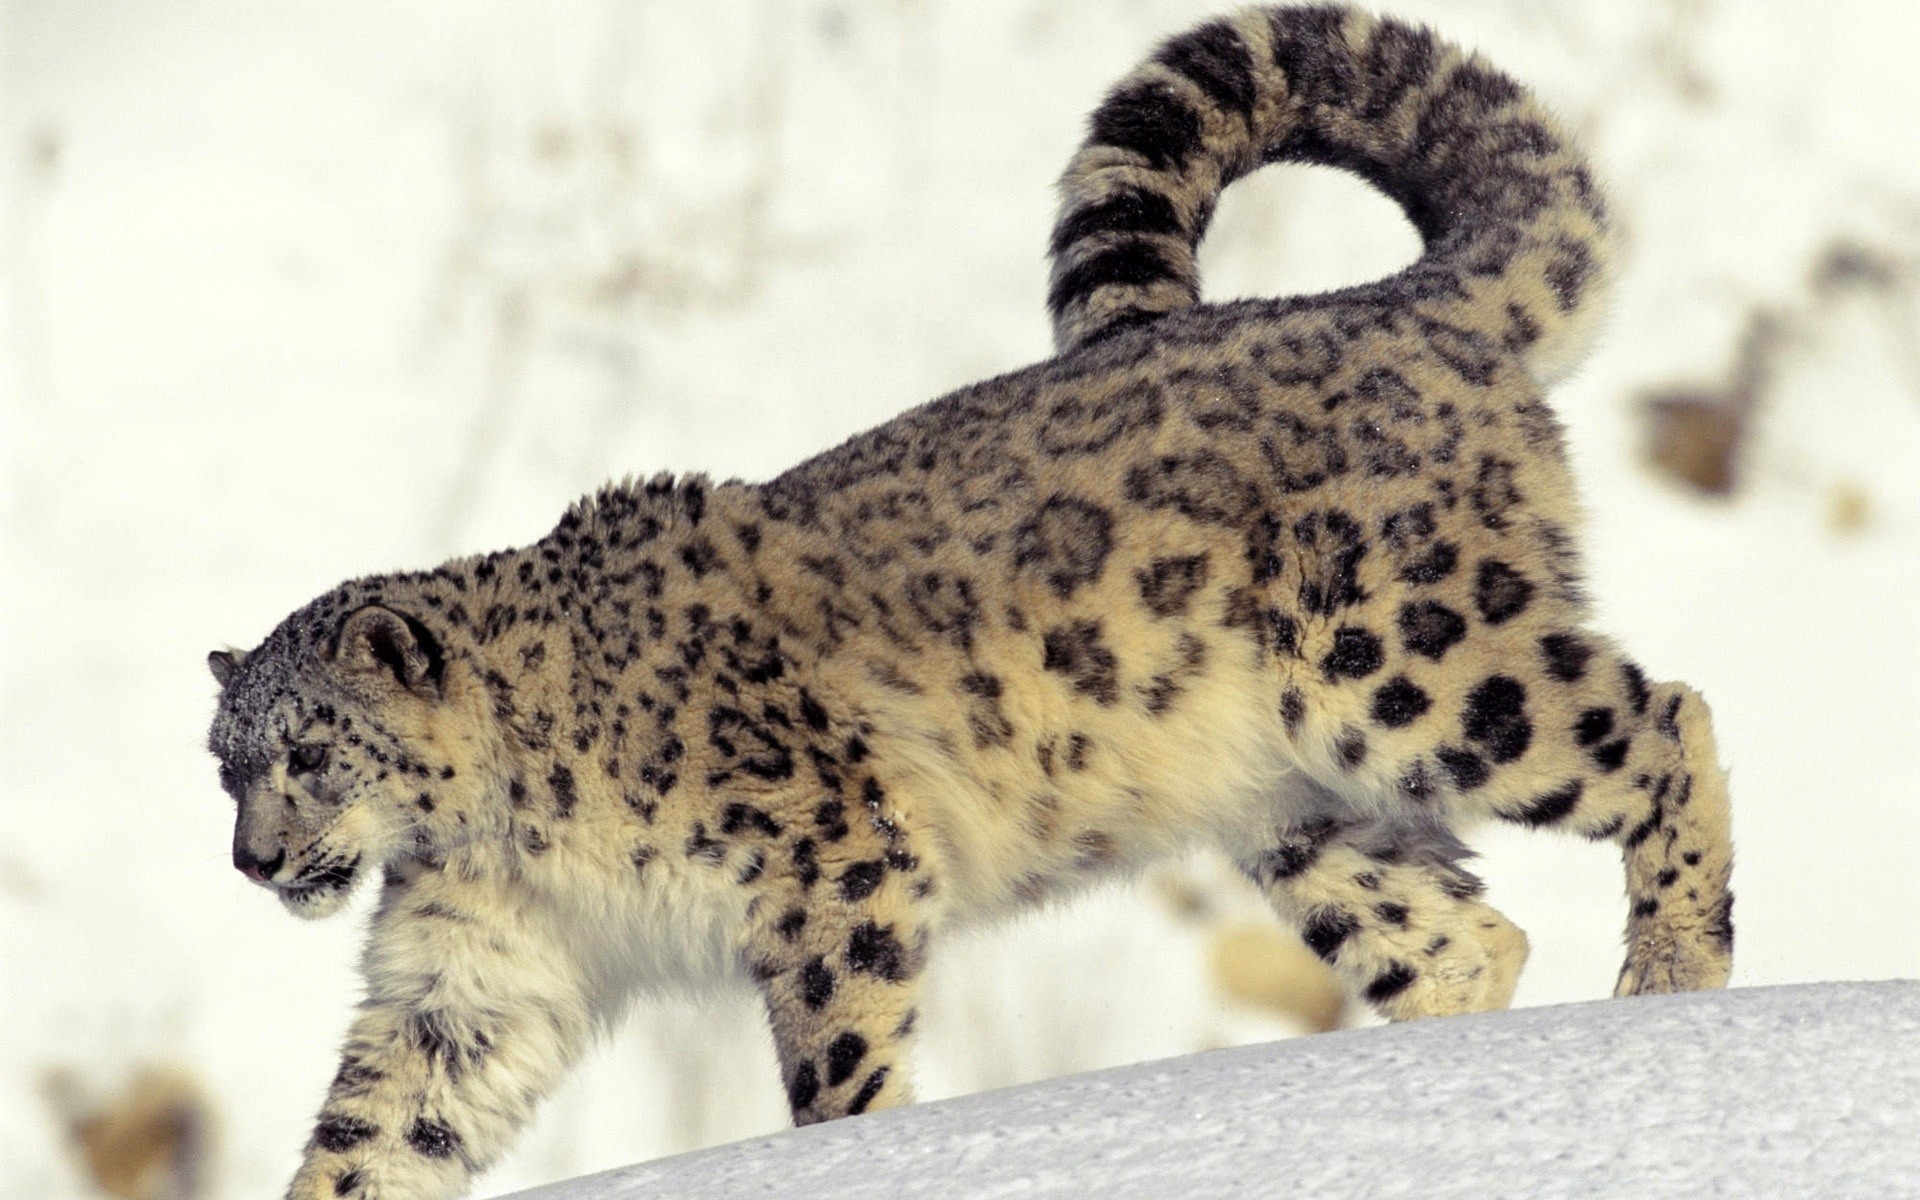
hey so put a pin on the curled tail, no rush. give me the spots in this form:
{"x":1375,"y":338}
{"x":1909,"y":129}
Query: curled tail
{"x":1515,"y":231}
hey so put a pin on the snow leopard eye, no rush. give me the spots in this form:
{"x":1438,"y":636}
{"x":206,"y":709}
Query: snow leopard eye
{"x":305,"y":760}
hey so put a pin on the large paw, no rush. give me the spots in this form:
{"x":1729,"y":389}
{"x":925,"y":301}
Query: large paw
{"x":1688,"y":948}
{"x":1658,"y":965}
{"x":1473,"y":970}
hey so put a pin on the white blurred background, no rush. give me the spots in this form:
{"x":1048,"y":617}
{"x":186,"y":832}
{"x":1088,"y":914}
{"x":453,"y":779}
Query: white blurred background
{"x":296,"y":291}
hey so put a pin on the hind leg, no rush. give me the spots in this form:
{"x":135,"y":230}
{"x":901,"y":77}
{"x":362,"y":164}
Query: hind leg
{"x":1394,"y":916}
{"x":1676,"y":841}
{"x":1616,"y":758}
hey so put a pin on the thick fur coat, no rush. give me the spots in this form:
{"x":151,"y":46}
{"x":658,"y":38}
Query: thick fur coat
{"x":1293,"y":579}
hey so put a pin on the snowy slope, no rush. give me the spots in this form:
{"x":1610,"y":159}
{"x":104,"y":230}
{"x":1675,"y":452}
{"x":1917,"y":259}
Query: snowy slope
{"x":1786,"y":1091}
{"x":295,"y":292}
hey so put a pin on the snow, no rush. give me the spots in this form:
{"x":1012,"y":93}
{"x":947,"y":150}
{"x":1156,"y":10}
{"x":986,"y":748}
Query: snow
{"x":295,"y":292}
{"x":1784,"y":1091}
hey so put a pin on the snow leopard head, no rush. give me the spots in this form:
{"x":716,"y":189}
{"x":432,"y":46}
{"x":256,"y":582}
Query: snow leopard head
{"x":346,"y":743}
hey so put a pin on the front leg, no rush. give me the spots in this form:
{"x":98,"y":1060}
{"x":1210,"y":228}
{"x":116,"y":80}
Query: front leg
{"x":471,"y":1016}
{"x":842,"y":983}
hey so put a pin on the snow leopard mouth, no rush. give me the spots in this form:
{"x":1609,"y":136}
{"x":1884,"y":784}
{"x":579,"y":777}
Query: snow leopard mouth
{"x":322,"y":878}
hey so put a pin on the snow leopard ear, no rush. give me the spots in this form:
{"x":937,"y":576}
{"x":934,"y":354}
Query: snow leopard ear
{"x":378,"y":642}
{"x":223,"y":663}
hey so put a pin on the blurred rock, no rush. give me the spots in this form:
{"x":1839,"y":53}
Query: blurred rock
{"x":1251,"y":960}
{"x":45,"y":148}
{"x":1694,"y":435}
{"x":148,"y":1141}
{"x":18,"y":881}
{"x":1263,"y":966}
{"x":1846,"y":264}
{"x":1695,"y":439}
{"x":1849,"y":509}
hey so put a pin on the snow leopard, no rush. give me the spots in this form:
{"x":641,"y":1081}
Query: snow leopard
{"x":1296,"y":580}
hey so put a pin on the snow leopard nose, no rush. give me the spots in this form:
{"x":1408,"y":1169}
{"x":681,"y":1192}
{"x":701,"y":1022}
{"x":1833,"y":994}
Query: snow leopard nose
{"x":253,"y":866}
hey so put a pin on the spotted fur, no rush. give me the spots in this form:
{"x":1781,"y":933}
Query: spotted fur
{"x":1293,"y":579}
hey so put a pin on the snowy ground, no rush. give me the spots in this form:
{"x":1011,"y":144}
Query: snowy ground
{"x":1767,"y":1092}
{"x":295,"y":292}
